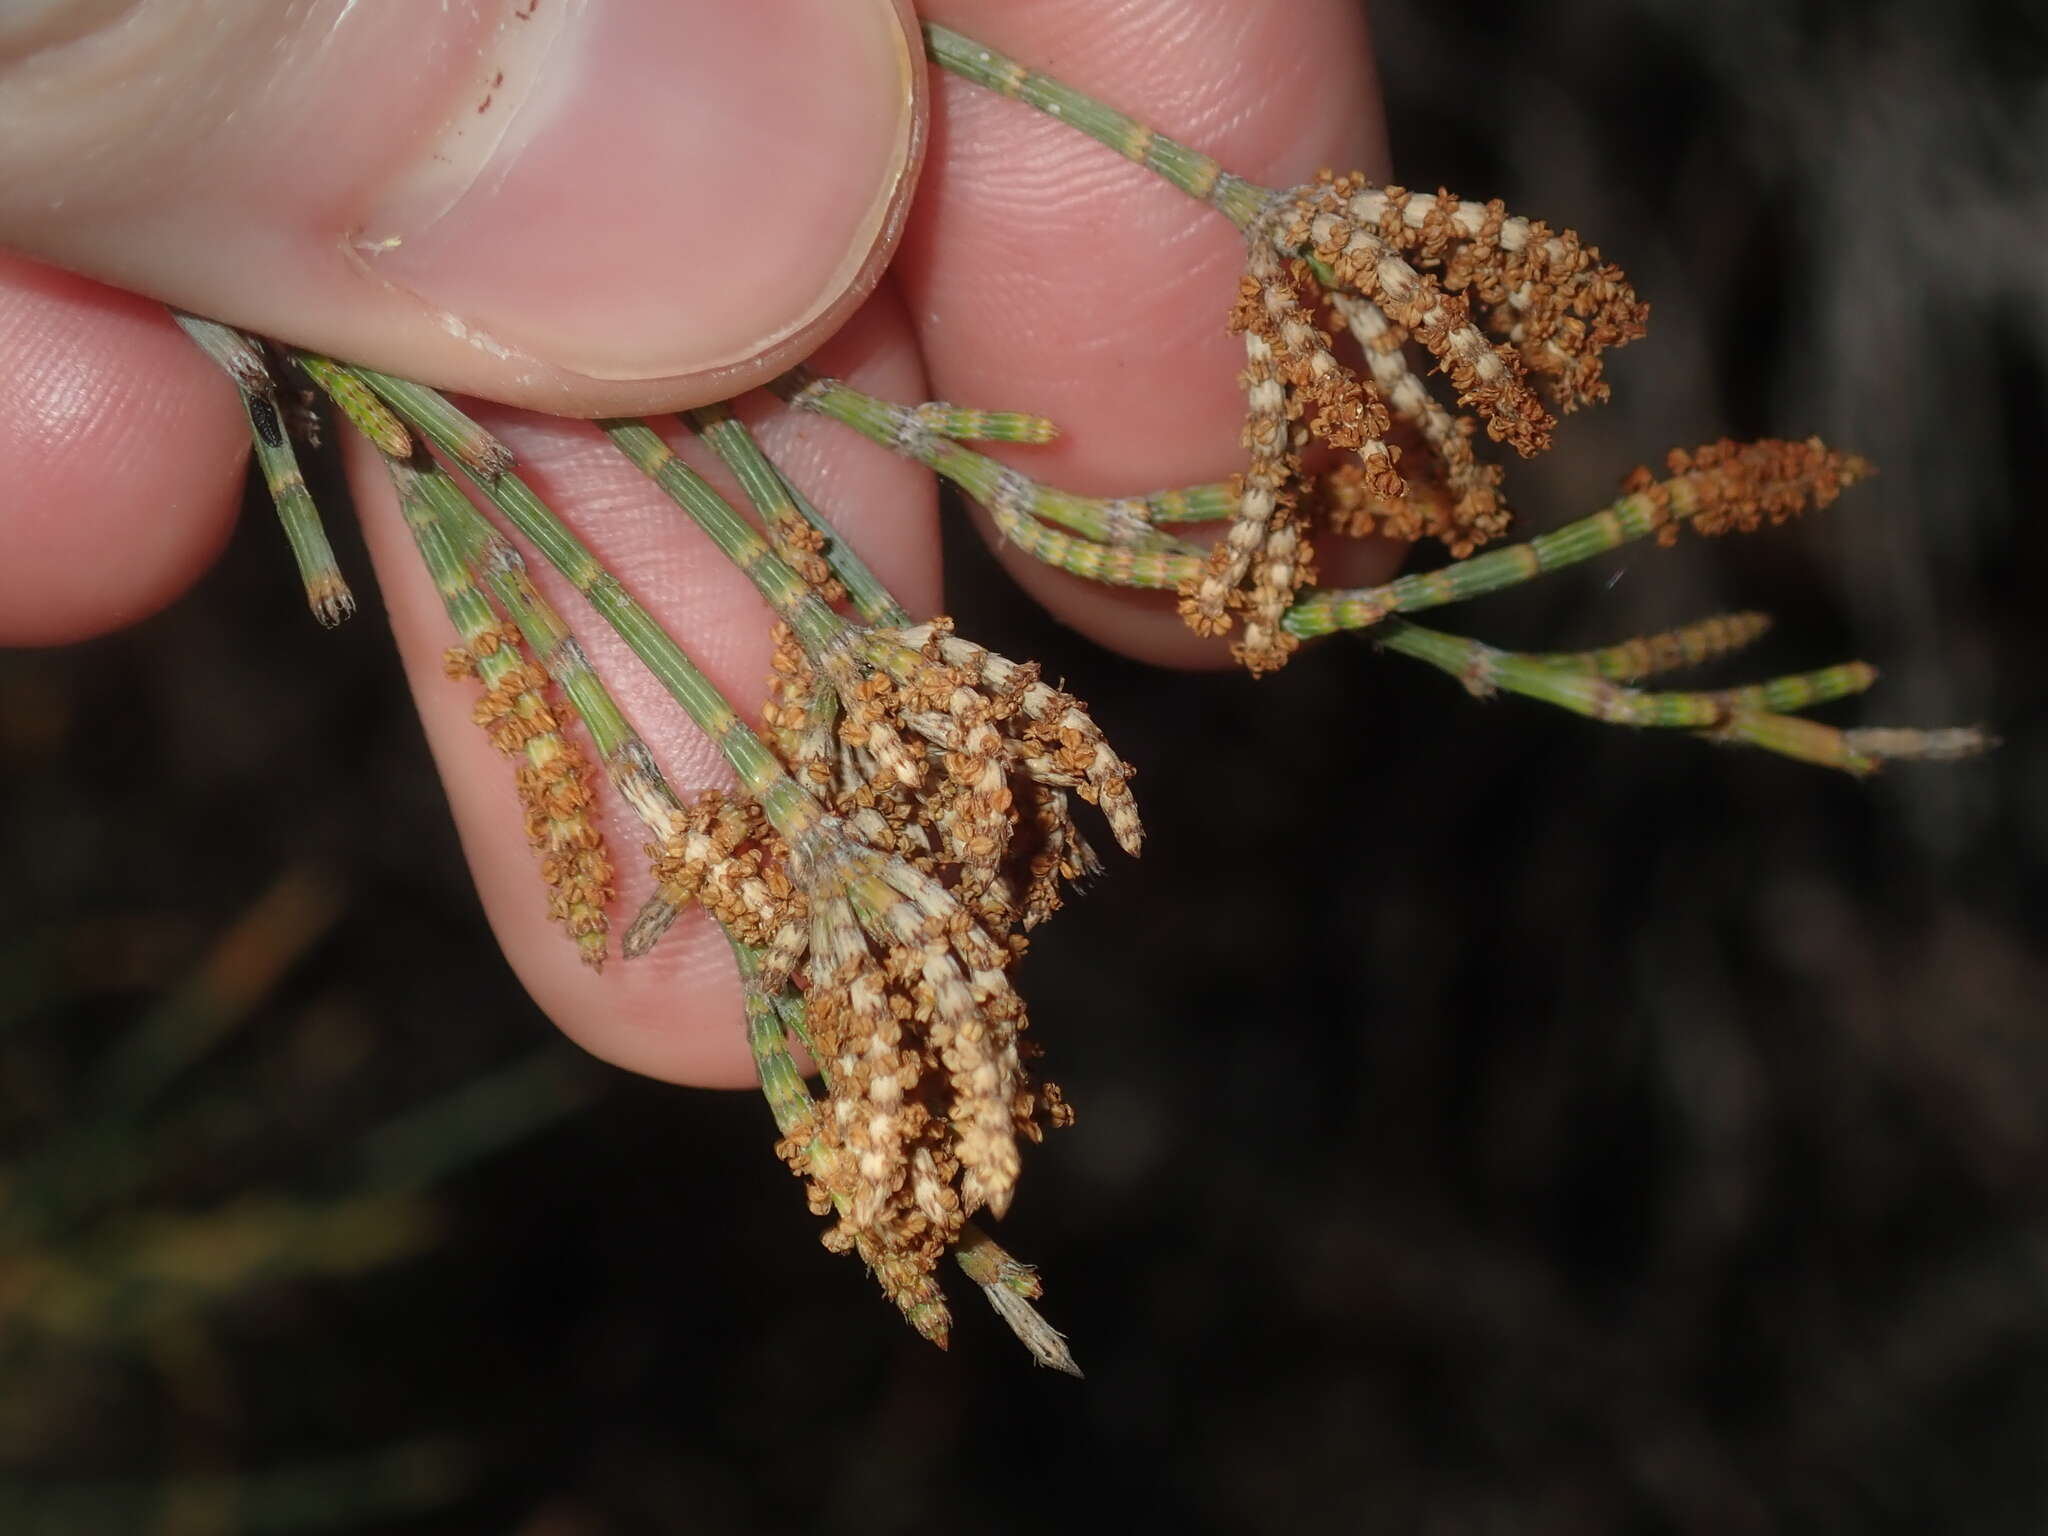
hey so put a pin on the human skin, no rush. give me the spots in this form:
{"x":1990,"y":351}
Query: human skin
{"x":1032,"y":270}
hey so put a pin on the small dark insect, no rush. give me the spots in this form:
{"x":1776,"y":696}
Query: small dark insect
{"x":263,"y":414}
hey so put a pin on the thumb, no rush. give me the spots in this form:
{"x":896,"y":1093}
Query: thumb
{"x":582,"y":206}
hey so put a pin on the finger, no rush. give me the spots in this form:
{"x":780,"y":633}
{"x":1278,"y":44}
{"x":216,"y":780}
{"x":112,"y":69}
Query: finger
{"x":121,"y":457}
{"x":578,"y":207}
{"x":674,"y":1013}
{"x":1050,"y":275}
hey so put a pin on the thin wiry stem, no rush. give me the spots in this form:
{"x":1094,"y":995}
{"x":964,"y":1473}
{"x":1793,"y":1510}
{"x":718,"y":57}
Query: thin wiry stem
{"x":1188,"y":169}
{"x":812,"y":619}
{"x":1123,"y":525}
{"x":779,"y":503}
{"x":1748,"y":716}
{"x":365,"y":412}
{"x":1210,"y":503}
{"x":1724,"y":486}
{"x":1671,"y":650}
{"x":241,"y":358}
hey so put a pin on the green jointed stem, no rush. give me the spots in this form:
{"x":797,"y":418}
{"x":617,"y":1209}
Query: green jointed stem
{"x":965,"y":425}
{"x":1692,"y":645}
{"x":241,"y":358}
{"x":877,"y":604}
{"x":487,"y":552}
{"x":791,"y":809}
{"x":468,"y":609}
{"x":1211,"y":503}
{"x":1632,"y":517}
{"x":1188,"y":169}
{"x":1132,"y":553}
{"x":789,"y":1097}
{"x":365,"y":412}
{"x":1484,"y":669}
{"x":504,"y":569}
{"x":1800,"y":690}
{"x":1113,"y":565}
{"x":777,"y":501}
{"x":813,"y":620}
{"x":464,"y":440}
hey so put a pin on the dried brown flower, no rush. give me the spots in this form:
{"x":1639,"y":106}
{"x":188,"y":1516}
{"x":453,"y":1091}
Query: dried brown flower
{"x":553,"y":779}
{"x":1394,"y":269}
{"x":1731,"y":487}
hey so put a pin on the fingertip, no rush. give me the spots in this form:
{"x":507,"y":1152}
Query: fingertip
{"x":674,"y":1013}
{"x":122,"y":455}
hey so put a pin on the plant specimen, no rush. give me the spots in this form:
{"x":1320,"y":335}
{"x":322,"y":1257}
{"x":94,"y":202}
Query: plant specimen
{"x":905,"y":810}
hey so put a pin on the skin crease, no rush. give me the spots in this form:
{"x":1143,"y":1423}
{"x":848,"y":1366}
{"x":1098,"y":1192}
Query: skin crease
{"x":1038,"y":272}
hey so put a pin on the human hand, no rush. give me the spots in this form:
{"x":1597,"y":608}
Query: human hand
{"x":255,"y":163}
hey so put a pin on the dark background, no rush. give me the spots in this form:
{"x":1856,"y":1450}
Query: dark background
{"x":1490,"y":1121}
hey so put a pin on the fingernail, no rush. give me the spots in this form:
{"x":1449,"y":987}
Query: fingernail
{"x":636,"y":189}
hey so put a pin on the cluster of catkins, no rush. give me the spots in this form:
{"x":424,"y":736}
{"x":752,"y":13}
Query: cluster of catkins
{"x":1401,"y":273}
{"x":553,"y":779}
{"x":944,"y":778}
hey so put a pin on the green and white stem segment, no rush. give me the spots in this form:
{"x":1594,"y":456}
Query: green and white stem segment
{"x":817,"y":627}
{"x":1622,"y":521}
{"x":1215,"y":502}
{"x":1690,"y":645}
{"x":241,"y":358}
{"x":364,"y":411}
{"x":1193,"y":172}
{"x":1133,"y":553}
{"x":1743,"y":714}
{"x":789,"y":807}
{"x":777,"y":501}
{"x":833,"y":644}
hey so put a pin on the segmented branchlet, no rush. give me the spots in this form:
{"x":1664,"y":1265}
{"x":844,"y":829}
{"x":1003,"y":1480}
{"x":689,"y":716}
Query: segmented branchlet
{"x":241,"y":358}
{"x":1670,"y":650}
